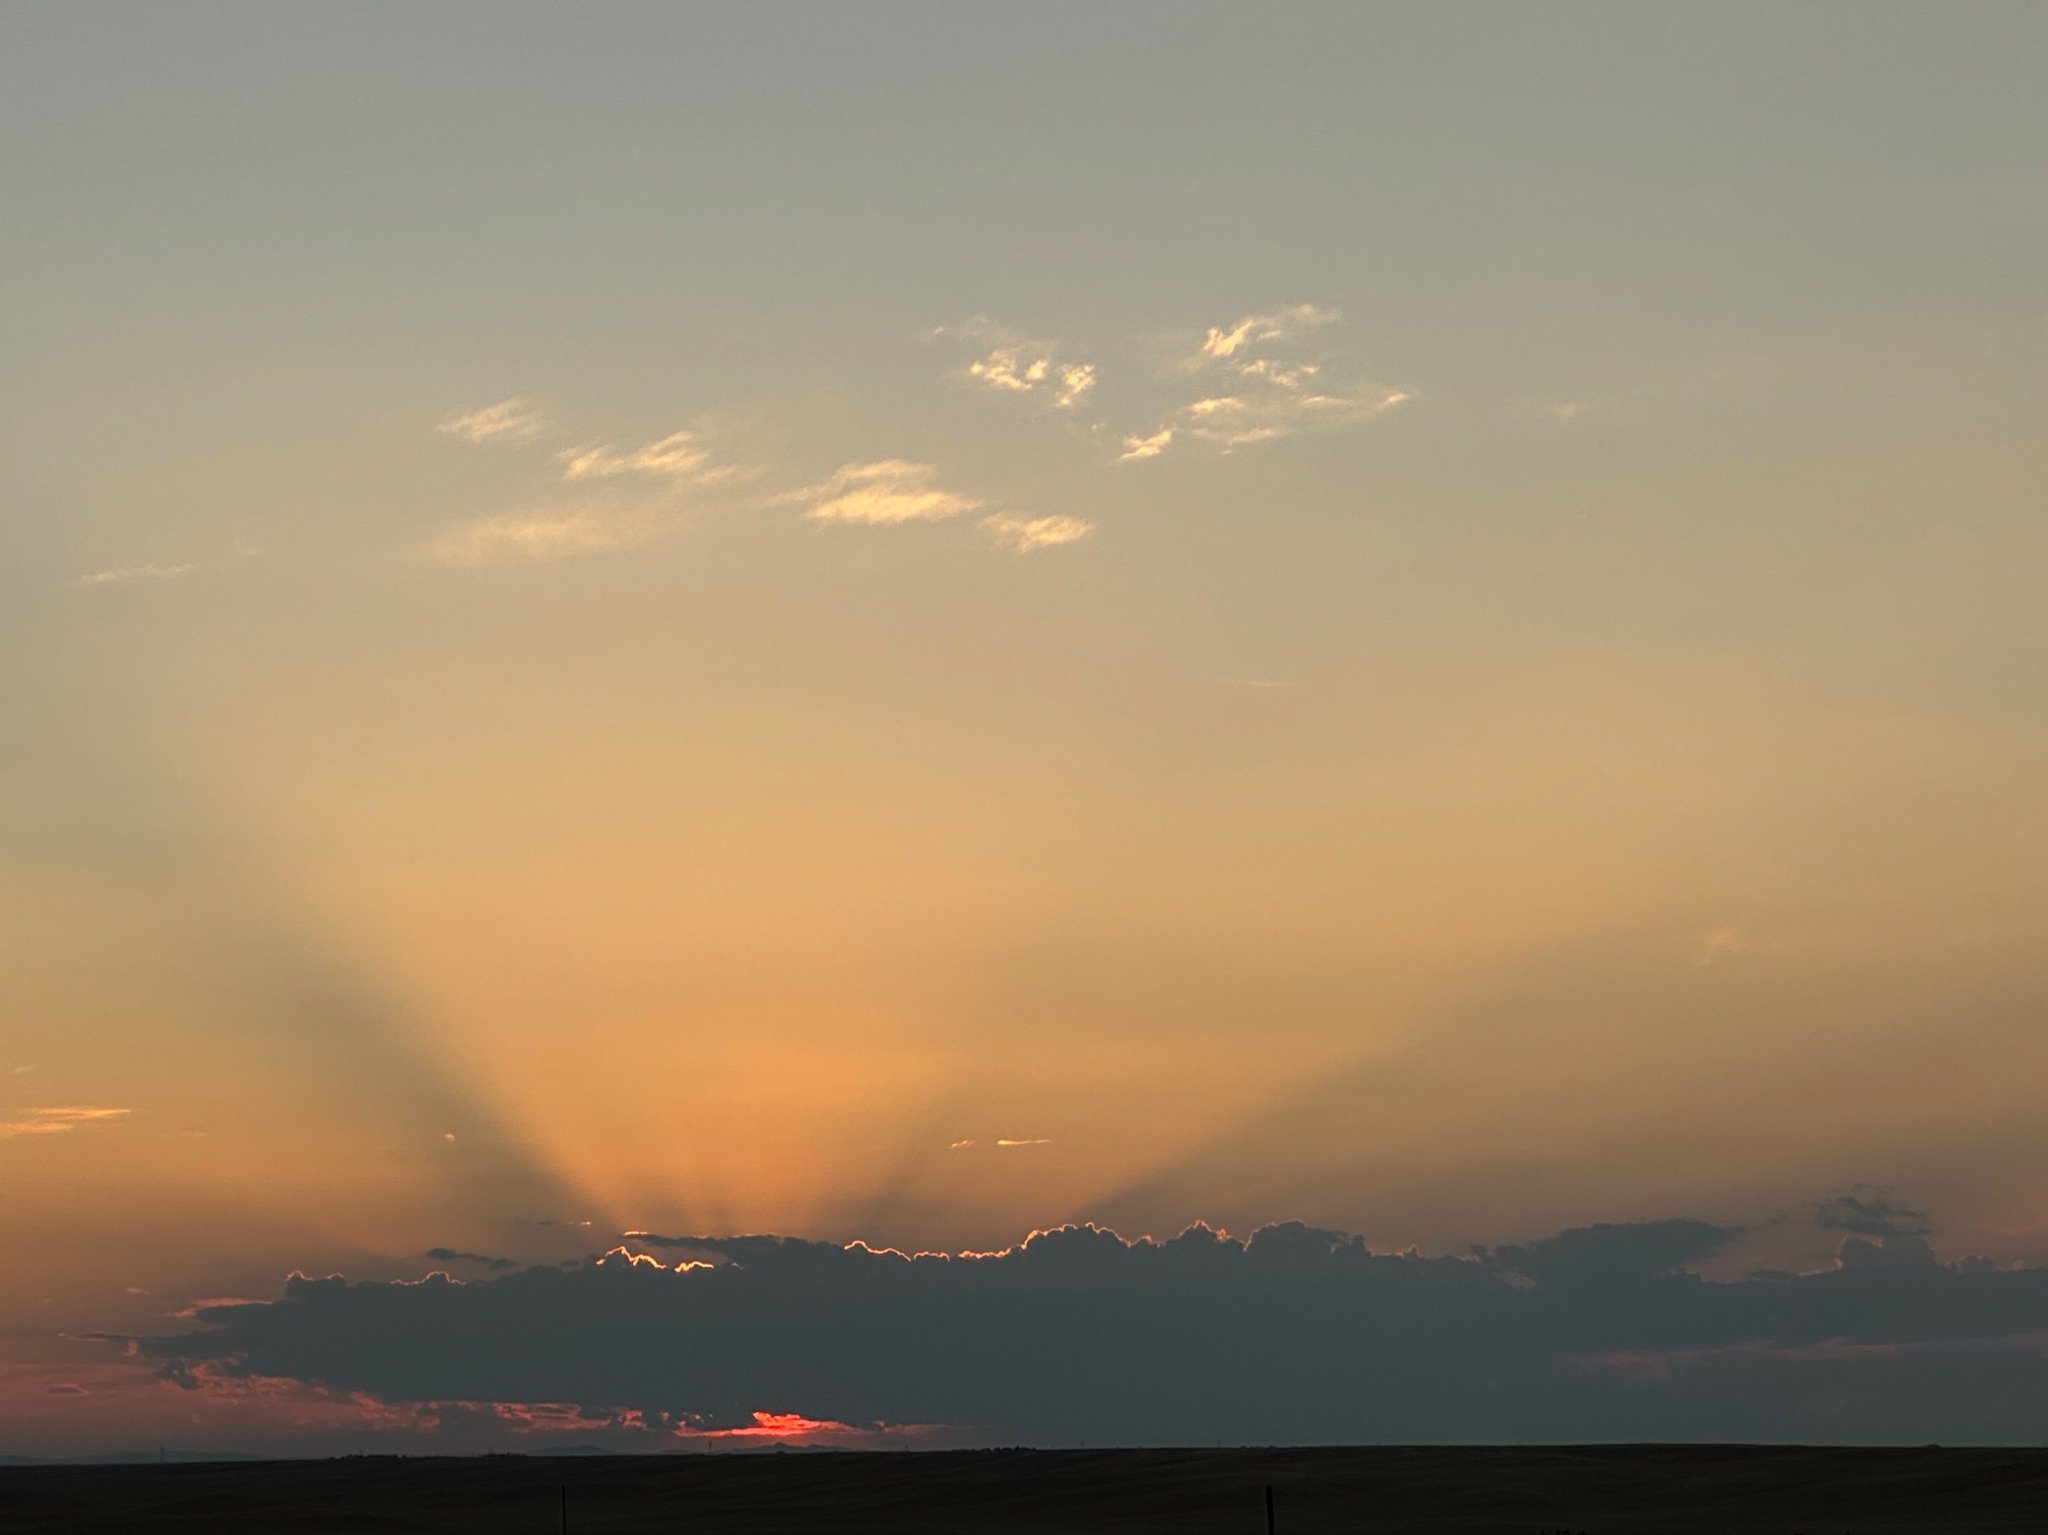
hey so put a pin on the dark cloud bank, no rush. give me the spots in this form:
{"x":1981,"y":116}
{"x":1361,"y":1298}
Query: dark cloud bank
{"x":1297,"y":1335}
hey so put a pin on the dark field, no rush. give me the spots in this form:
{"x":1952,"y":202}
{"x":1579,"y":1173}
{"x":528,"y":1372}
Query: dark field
{"x":1189,"y":1492}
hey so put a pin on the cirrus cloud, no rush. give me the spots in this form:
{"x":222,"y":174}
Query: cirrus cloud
{"x":57,"y":1121}
{"x":513,"y":420}
{"x":547,"y":535}
{"x":1023,"y":534}
{"x":678,"y":457}
{"x":880,"y":492}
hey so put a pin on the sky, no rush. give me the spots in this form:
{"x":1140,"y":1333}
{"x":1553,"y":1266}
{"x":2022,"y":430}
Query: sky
{"x":1352,"y":672}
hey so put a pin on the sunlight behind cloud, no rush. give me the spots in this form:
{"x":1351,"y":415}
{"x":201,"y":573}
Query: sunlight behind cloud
{"x":1369,"y":618}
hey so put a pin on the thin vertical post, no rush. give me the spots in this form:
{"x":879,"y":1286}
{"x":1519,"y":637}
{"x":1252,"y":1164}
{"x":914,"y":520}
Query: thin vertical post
{"x":565,"y":1510}
{"x":1269,"y":1510}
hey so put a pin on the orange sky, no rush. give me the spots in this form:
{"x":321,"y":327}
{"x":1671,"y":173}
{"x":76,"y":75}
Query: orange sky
{"x":1445,"y":651}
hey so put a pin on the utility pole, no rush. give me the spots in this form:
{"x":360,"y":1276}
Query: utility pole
{"x":1269,"y":1510}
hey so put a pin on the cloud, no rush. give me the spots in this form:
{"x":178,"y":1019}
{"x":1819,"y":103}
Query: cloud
{"x":1564,"y":411}
{"x":513,"y":420}
{"x":454,"y":1255}
{"x":1867,"y":1211}
{"x":541,"y":533}
{"x":1724,"y":943}
{"x":885,"y":491}
{"x":1257,"y":381}
{"x":1075,"y":380}
{"x":547,"y":535}
{"x":1261,"y":385}
{"x":1280,"y":409}
{"x":1146,"y":447}
{"x":1040,"y":1141}
{"x":677,"y":457}
{"x":1015,"y":365}
{"x":236,"y":554}
{"x":1298,"y":1334}
{"x":57,"y":1121}
{"x":1013,"y":369}
{"x":1023,"y":534}
{"x":1226,"y":342}
{"x":139,"y":573}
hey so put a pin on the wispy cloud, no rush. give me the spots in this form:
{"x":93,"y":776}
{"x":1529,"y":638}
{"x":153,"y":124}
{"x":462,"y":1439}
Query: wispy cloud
{"x":1263,"y":376}
{"x":678,"y":461}
{"x":1043,"y":1140}
{"x":1146,"y":447}
{"x":1724,"y":943}
{"x":1281,"y":410}
{"x":1226,"y":342}
{"x":1014,"y":364}
{"x":547,"y":535}
{"x":884,"y":491}
{"x":56,"y":1121}
{"x":1560,"y":411}
{"x":236,"y":554}
{"x":139,"y":573}
{"x":678,"y":457}
{"x":1023,"y":534}
{"x":1266,"y":387}
{"x":1014,"y":368}
{"x":513,"y":420}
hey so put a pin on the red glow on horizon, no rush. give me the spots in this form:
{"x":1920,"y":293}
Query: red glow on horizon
{"x":782,"y":1425}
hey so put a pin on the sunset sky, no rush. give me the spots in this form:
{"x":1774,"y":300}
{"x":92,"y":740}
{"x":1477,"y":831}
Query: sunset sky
{"x":918,"y":623}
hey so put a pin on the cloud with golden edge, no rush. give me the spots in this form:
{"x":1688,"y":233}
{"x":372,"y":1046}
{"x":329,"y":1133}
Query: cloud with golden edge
{"x":883,"y":492}
{"x":57,"y":1121}
{"x":513,"y":420}
{"x":1041,"y":1141}
{"x":1023,"y":534}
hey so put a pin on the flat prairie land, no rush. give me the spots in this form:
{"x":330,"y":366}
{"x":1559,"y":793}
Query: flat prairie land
{"x":1589,"y":1490}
